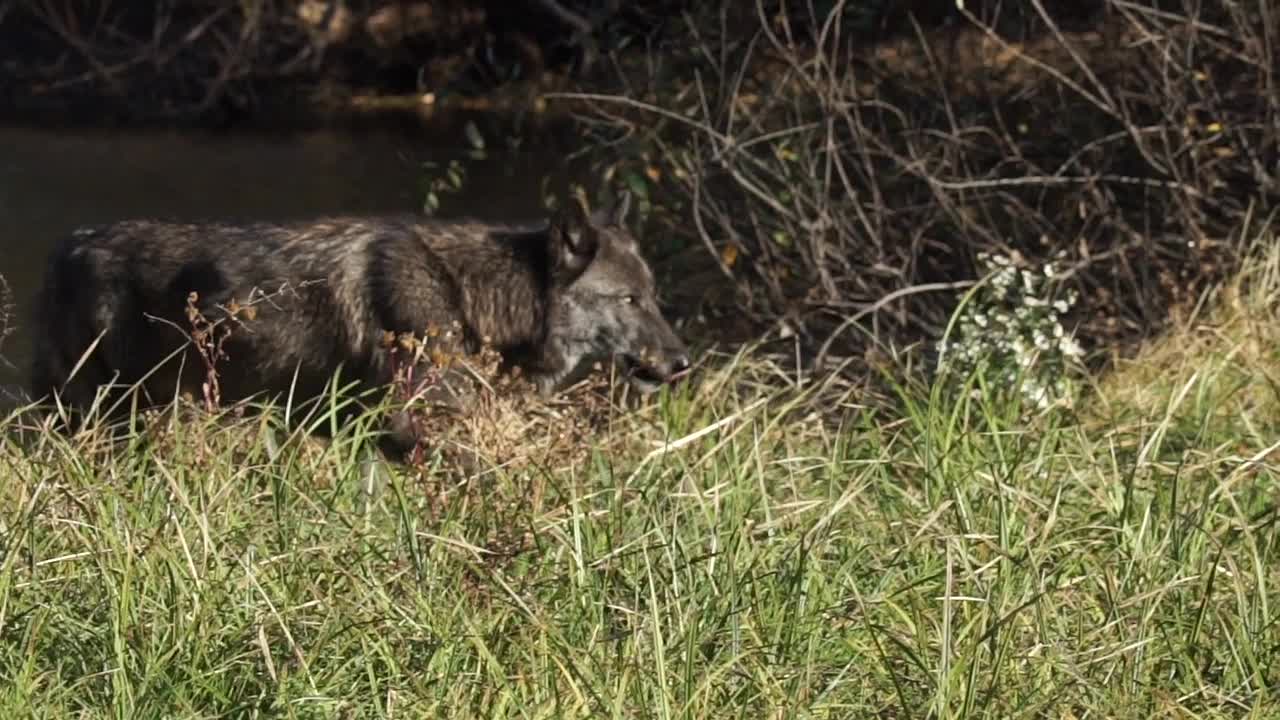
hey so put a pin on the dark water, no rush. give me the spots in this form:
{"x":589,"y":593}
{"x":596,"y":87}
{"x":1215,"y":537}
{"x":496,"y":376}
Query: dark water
{"x":53,"y":180}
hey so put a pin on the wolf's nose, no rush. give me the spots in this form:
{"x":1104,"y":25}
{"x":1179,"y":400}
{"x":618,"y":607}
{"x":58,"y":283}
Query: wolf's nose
{"x":679,"y":366}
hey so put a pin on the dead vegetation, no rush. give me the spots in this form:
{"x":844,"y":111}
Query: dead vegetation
{"x":844,"y":192}
{"x":1228,"y":342}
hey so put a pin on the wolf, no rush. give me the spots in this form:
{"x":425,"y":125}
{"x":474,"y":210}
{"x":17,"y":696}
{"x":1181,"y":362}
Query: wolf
{"x":553,"y":297}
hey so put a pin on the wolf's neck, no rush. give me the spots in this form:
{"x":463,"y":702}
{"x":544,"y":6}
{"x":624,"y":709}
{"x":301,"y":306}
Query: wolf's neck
{"x":505,"y":307}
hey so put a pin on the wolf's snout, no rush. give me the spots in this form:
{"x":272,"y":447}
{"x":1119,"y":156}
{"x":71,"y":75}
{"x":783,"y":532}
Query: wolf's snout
{"x":679,"y":367}
{"x":649,"y":373}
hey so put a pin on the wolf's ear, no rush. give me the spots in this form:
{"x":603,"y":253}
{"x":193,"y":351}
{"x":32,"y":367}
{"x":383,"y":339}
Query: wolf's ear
{"x":614,"y":216}
{"x":622,"y":206}
{"x":573,"y":241}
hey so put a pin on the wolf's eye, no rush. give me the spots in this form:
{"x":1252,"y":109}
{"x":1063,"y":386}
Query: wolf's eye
{"x":629,"y":299}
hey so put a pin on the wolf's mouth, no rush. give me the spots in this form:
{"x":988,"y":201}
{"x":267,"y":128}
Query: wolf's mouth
{"x":648,"y":378}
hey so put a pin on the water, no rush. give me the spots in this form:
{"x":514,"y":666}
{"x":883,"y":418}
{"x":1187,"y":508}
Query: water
{"x":52,"y":180}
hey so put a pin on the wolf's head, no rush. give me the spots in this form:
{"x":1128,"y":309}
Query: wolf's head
{"x":605,"y":303}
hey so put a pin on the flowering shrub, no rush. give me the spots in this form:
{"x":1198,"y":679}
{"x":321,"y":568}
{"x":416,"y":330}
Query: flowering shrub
{"x":1010,"y":326}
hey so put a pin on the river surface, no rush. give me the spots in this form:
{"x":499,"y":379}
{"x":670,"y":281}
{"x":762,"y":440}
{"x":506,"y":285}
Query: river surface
{"x":52,"y":180}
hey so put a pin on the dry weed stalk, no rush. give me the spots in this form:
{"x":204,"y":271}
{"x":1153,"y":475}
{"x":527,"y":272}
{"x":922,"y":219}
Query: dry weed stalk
{"x":208,"y":338}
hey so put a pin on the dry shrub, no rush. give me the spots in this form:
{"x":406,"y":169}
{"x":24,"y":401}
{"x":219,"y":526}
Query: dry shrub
{"x":846,"y":190}
{"x":482,"y":416}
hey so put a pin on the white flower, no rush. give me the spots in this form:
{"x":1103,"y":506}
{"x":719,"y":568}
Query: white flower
{"x":1011,"y":327}
{"x":1028,"y":281}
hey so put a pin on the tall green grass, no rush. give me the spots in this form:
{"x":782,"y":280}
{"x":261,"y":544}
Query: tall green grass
{"x":792,"y":553}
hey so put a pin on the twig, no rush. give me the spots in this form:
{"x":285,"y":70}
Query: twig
{"x":649,"y":107}
{"x":567,"y":16}
{"x":877,"y":305}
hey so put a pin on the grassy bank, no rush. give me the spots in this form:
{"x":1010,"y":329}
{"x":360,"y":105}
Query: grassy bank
{"x":961,"y":558}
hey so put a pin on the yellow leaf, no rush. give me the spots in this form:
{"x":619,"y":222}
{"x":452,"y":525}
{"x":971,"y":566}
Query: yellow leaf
{"x":729,"y":255}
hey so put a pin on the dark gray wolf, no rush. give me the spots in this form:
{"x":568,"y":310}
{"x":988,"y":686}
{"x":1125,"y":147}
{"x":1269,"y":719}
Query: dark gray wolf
{"x":553,"y":298}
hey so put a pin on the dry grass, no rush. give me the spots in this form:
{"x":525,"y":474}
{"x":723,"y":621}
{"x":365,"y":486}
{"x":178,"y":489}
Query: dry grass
{"x":1226,"y":347}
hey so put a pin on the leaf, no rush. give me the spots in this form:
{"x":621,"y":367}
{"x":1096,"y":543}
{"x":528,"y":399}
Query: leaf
{"x":473,"y":135}
{"x":637,"y":185}
{"x":729,"y":254}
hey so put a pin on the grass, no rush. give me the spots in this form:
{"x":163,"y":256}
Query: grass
{"x":963,"y":557}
